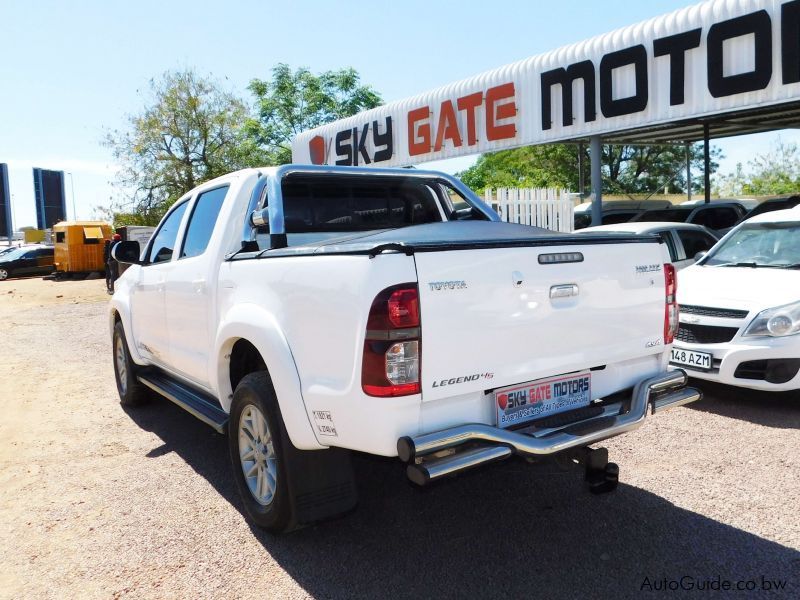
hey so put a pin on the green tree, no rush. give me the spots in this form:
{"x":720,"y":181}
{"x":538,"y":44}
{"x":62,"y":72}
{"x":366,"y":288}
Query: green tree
{"x":292,"y":102}
{"x":626,"y":169}
{"x":532,"y":166}
{"x":774,"y":173}
{"x":189,"y":132}
{"x":647,"y":169}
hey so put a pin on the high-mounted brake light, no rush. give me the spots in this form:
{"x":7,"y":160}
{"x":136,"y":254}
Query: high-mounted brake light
{"x":670,"y":303}
{"x":391,"y":360}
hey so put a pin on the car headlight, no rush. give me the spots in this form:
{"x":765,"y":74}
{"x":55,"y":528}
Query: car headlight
{"x":776,"y":322}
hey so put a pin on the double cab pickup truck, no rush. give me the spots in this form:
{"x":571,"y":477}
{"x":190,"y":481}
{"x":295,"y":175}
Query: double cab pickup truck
{"x":311,"y":311}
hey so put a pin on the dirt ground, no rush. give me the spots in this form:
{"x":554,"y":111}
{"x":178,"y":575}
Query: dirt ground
{"x":100,"y":502}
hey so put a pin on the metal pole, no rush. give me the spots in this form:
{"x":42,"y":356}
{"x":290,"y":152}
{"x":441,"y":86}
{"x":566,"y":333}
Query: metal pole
{"x":72,"y":186}
{"x":581,"y":182}
{"x":13,"y":217}
{"x":688,"y":171}
{"x":595,"y":155}
{"x":706,"y":164}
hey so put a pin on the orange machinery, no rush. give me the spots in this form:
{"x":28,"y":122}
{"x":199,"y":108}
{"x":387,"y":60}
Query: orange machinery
{"x":79,"y":245}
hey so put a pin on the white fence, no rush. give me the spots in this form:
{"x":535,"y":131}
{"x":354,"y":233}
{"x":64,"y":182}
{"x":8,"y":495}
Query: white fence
{"x":550,"y":208}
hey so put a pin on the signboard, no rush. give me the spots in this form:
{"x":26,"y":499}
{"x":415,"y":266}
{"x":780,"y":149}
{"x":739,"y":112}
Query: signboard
{"x":48,"y":190}
{"x":707,"y":59}
{"x":6,"y":226}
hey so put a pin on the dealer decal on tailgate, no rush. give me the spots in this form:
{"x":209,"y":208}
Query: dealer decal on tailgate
{"x":525,"y":402}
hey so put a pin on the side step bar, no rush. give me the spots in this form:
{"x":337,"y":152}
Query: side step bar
{"x":657,"y":393}
{"x":189,"y":399}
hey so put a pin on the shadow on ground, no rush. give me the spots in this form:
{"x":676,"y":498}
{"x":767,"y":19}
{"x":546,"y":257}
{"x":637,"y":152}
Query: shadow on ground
{"x":514,"y":530}
{"x":770,"y":409}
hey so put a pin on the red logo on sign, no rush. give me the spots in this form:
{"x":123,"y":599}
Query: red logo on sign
{"x":502,"y":401}
{"x":316,"y":148}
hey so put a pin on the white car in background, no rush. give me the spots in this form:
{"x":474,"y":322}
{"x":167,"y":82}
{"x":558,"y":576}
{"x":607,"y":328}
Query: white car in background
{"x":683,"y":240}
{"x":740,"y":307}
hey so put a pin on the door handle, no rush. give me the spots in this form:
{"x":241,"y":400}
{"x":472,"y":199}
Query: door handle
{"x":199,"y":285}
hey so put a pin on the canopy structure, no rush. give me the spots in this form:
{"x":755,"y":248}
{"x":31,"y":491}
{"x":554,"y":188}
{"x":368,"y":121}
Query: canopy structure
{"x":716,"y":69}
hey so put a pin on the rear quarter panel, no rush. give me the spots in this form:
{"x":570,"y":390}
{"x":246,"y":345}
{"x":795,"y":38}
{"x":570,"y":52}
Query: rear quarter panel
{"x":321,"y":304}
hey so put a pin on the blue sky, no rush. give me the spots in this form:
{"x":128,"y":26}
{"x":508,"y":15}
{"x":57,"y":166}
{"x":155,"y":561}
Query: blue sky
{"x":72,"y":71}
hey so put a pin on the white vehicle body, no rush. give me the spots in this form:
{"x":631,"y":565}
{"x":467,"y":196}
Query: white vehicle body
{"x":683,"y":240}
{"x":492,"y":313}
{"x":725,"y":309}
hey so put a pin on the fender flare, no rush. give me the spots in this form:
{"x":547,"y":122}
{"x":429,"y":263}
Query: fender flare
{"x":252,"y":323}
{"x":120,"y":306}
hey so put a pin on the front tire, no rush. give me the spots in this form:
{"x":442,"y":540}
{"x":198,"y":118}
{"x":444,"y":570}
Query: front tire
{"x":4,"y":274}
{"x":131,"y":391}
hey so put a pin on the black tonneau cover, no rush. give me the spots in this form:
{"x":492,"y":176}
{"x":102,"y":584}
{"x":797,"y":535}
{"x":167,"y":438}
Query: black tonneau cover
{"x":449,"y":235}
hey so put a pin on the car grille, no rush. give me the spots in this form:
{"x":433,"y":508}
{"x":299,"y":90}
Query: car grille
{"x":705,"y":334}
{"x":707,"y":311}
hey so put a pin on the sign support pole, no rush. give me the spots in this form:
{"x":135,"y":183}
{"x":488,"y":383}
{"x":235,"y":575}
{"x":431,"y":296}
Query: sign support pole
{"x":688,"y":171}
{"x":596,"y":158}
{"x":706,"y":164}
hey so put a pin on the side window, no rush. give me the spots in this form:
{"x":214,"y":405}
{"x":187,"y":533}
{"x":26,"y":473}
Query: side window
{"x":164,"y":241}
{"x":201,"y":223}
{"x":694,"y":242}
{"x":725,"y":217}
{"x":666,"y":236}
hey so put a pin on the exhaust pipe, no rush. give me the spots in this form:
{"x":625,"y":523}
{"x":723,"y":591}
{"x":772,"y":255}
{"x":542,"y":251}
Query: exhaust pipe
{"x":679,"y":398}
{"x":431,"y":470}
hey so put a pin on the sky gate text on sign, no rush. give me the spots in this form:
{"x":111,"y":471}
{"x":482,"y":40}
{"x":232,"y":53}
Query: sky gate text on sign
{"x":712,"y":58}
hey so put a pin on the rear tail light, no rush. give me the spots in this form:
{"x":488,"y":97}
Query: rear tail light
{"x":391,"y":362}
{"x":670,"y":303}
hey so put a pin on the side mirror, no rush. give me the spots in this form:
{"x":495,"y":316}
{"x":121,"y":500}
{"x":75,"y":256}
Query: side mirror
{"x":127,"y":252}
{"x":699,"y":255}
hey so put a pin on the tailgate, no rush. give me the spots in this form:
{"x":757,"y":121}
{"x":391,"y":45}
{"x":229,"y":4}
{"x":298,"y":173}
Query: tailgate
{"x":494,"y":317}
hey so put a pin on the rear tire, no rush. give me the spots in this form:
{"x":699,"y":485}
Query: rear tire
{"x":257,"y":441}
{"x":131,"y":391}
{"x":4,"y":274}
{"x":282,"y":487}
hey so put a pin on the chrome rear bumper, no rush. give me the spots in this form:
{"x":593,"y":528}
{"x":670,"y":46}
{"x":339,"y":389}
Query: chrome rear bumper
{"x":491,"y":443}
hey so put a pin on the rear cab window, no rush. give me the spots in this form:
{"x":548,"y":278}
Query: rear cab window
{"x":716,"y":217}
{"x":317,"y":207}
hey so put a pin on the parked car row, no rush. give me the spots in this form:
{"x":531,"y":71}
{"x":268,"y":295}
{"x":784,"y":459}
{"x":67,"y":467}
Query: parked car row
{"x":740,"y":302}
{"x":719,"y":216}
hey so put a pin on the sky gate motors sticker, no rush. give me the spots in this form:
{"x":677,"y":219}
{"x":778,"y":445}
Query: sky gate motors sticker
{"x":522,"y":403}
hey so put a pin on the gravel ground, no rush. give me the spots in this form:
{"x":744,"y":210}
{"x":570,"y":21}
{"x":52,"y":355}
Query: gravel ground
{"x":99,"y":502}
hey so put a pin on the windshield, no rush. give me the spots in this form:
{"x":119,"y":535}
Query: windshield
{"x":775,"y":245}
{"x":14,"y":254}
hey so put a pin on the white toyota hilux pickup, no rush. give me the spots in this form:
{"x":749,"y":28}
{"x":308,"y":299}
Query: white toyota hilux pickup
{"x":312,"y":311}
